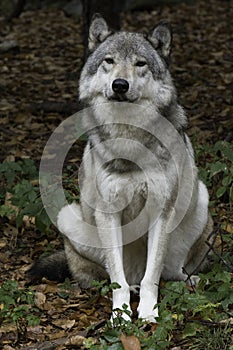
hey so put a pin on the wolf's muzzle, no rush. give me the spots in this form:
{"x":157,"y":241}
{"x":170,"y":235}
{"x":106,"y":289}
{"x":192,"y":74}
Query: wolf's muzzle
{"x":120,"y":86}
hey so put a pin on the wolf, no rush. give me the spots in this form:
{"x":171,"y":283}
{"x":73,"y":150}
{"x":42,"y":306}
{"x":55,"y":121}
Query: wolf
{"x":143,"y":212}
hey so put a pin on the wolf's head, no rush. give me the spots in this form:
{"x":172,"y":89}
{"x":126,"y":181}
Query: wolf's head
{"x":124,"y":66}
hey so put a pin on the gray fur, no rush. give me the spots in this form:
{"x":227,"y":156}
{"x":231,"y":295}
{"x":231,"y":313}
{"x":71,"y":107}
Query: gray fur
{"x":138,"y":219}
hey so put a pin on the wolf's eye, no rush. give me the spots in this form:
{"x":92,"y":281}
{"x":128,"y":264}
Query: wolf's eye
{"x":109,"y":60}
{"x":140,"y":64}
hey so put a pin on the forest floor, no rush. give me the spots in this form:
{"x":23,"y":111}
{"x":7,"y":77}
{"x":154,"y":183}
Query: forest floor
{"x":39,"y":89}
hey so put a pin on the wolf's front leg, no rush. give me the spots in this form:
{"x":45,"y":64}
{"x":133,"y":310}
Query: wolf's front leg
{"x":110,"y":233}
{"x":157,"y":245}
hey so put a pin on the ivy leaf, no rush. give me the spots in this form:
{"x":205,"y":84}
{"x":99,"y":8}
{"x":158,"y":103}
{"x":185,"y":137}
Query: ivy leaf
{"x":227,"y":180}
{"x":217,"y":167}
{"x":220,"y":191}
{"x":231,"y":193}
{"x":112,"y":336}
{"x":191,"y":329}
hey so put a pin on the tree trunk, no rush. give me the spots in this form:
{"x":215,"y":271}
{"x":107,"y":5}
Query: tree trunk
{"x":110,"y":10}
{"x":19,"y":6}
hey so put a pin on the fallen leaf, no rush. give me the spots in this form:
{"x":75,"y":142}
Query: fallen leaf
{"x":130,"y":342}
{"x":40,"y":299}
{"x":64,"y":323}
{"x":57,"y":335}
{"x":229,"y":228}
{"x":75,"y":340}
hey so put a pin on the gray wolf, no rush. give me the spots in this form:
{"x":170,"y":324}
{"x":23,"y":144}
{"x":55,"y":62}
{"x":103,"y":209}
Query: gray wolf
{"x":143,"y":212}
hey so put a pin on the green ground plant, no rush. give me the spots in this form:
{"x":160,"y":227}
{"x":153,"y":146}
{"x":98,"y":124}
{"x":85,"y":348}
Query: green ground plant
{"x":216,"y":169}
{"x":17,"y":305}
{"x":199,"y":319}
{"x":19,"y":183}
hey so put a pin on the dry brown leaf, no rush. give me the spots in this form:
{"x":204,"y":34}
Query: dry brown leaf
{"x":229,"y":228}
{"x":65,"y":324}
{"x":2,"y":243}
{"x":227,"y":321}
{"x":8,"y":327}
{"x":75,"y":340}
{"x":57,"y":335}
{"x":130,"y":342}
{"x":40,"y":299}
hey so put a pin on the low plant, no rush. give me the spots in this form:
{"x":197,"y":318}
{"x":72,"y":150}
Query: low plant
{"x":216,"y":168}
{"x":104,"y":287}
{"x":18,"y":306}
{"x":19,"y":193}
{"x":193,"y":318}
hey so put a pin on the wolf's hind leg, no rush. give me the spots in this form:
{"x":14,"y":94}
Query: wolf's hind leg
{"x":83,"y":270}
{"x":71,"y":262}
{"x":184,"y":267}
{"x":62,"y":264}
{"x":197,"y":258}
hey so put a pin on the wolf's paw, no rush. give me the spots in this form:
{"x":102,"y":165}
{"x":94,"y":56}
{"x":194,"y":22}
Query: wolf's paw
{"x":147,"y":309}
{"x":121,"y":304}
{"x":193,"y":281}
{"x":124,"y":312}
{"x":147,"y":314}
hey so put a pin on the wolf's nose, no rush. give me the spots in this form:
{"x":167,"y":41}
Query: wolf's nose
{"x":120,"y":86}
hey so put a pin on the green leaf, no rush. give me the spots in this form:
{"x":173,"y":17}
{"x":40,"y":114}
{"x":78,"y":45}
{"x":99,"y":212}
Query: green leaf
{"x":112,"y":336}
{"x":114,"y":285}
{"x":24,"y":193}
{"x":6,"y":211}
{"x":220,"y":191}
{"x":226,"y":149}
{"x":33,"y":209}
{"x":33,"y":320}
{"x":231,"y":193}
{"x":228,"y":153}
{"x":19,"y":220}
{"x":218,"y":167}
{"x":104,"y":290}
{"x":116,"y":346}
{"x":43,"y":221}
{"x":191,"y":329}
{"x":227,"y":180}
{"x":223,"y":276}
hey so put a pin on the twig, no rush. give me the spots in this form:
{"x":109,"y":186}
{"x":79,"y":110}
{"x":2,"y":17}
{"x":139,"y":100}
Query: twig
{"x":169,"y":289}
{"x":211,"y":323}
{"x":220,"y":257}
{"x":7,"y":131}
{"x":191,"y":284}
{"x":211,"y":247}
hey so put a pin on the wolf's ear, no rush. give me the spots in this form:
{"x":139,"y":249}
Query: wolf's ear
{"x":98,"y":31}
{"x":161,"y":38}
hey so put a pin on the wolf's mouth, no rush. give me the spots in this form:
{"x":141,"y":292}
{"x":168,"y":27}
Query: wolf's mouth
{"x":121,"y":98}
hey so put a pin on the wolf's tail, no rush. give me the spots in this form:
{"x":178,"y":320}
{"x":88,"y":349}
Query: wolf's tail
{"x":53,"y":267}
